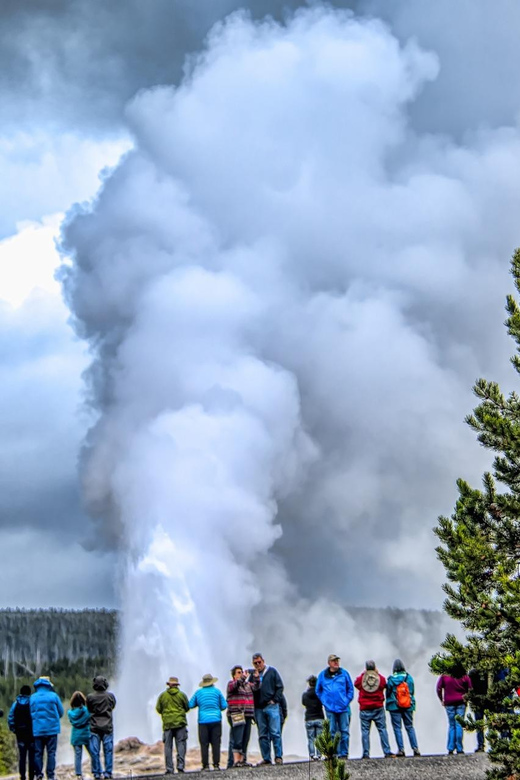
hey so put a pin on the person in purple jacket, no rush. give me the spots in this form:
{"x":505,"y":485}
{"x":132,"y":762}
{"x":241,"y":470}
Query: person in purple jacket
{"x":452,"y":690}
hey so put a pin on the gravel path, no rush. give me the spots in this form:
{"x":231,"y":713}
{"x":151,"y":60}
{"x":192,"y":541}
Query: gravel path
{"x":468,"y":767}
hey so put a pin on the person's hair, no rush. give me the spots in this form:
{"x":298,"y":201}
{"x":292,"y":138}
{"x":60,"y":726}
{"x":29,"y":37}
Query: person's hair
{"x":234,"y":669}
{"x":370,"y":665}
{"x":25,"y":690}
{"x":398,"y":666}
{"x":258,"y":655}
{"x":77,"y":699}
{"x":312,"y":680}
{"x":457,"y":670}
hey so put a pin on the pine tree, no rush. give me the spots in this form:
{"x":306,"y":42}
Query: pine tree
{"x":328,"y":747}
{"x":480,"y":550}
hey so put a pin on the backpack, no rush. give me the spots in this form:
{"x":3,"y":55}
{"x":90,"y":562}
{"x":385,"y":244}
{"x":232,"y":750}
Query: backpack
{"x":403,"y":696}
{"x":370,"y":681}
{"x":22,"y":718}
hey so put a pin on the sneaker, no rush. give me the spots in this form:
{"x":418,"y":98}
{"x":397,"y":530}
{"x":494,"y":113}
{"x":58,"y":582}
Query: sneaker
{"x":460,"y":752}
{"x":480,"y":750}
{"x":365,"y":755}
{"x":216,"y":766}
{"x":205,"y":769}
{"x":278,"y":760}
{"x":400,"y":754}
{"x":451,"y":752}
{"x":416,"y":752}
{"x":264,"y":762}
{"x":389,"y":755}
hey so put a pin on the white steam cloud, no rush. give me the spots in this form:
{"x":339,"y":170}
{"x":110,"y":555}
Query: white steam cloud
{"x":283,"y":287}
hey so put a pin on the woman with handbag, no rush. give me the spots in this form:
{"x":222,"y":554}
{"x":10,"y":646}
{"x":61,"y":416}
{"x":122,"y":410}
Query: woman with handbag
{"x":241,"y":711}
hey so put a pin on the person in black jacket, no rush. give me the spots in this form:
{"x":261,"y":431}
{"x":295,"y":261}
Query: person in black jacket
{"x":314,"y":717}
{"x":20,"y":722}
{"x":479,"y":684}
{"x":100,"y":704}
{"x":268,"y":701}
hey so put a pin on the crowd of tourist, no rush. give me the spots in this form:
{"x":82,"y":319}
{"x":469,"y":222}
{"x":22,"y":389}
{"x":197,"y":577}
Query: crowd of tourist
{"x":253,"y":696}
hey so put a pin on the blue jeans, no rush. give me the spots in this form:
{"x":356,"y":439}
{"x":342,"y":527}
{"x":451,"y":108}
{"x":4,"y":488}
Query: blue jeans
{"x":108,"y":751}
{"x":314,"y":729}
{"x":49,"y":742}
{"x":398,"y":718}
{"x":269,"y":725}
{"x":340,"y":721}
{"x":479,"y":715}
{"x":378,"y":717}
{"x":78,"y":755}
{"x":455,"y":731}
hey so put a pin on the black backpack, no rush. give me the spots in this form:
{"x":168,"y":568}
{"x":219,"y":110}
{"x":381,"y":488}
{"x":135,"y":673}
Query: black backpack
{"x":22,"y":719}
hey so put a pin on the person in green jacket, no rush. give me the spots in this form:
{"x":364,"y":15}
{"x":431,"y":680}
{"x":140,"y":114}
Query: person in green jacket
{"x":172,"y":705}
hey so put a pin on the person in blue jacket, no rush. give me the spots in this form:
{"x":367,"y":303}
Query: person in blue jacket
{"x":210,"y":702}
{"x":400,"y":715}
{"x":46,"y":711}
{"x":20,"y":723}
{"x":335,"y":690}
{"x":79,"y":718}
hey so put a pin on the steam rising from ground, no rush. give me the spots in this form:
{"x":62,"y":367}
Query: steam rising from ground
{"x":281,"y":287}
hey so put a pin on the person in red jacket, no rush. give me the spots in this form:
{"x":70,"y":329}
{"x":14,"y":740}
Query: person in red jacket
{"x":371,"y":686}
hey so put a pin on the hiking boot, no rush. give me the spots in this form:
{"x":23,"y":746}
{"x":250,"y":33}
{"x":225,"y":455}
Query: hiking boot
{"x":480,"y":750}
{"x":451,"y":752}
{"x":400,"y":754}
{"x":278,"y":760}
{"x":389,"y":755}
{"x":264,"y":762}
{"x":416,"y":752}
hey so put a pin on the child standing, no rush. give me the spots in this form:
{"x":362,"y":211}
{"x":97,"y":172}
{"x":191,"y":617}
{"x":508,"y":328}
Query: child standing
{"x":79,"y":717}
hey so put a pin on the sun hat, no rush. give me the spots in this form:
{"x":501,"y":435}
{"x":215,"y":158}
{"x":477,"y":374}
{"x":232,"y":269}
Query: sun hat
{"x":173,"y":681}
{"x":207,"y":680}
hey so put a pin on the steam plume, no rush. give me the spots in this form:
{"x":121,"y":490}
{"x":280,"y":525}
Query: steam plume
{"x":280,"y":286}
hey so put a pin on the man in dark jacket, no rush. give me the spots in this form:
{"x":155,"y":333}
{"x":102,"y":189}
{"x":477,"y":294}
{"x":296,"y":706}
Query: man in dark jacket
{"x":268,"y":702}
{"x":100,"y":704}
{"x":20,"y":723}
{"x":314,"y":717}
{"x":335,"y":691}
{"x":46,"y":711}
{"x":371,"y":686}
{"x":172,"y":705}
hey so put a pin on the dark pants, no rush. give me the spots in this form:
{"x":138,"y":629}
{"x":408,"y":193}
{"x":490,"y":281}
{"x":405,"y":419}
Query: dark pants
{"x":241,"y":736}
{"x":180,"y":735}
{"x":49,"y":743}
{"x":210,"y":733}
{"x":25,"y":751}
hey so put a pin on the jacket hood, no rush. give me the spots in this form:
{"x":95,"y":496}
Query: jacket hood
{"x":77,"y":714}
{"x":173,"y":691}
{"x":100,"y":683}
{"x":43,"y":682}
{"x":22,"y":699}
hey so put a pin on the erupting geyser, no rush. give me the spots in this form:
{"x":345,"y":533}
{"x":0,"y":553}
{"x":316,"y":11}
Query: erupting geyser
{"x":268,"y":282}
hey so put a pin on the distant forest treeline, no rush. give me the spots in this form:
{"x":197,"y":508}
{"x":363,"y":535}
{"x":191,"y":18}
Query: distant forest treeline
{"x":70,"y":646}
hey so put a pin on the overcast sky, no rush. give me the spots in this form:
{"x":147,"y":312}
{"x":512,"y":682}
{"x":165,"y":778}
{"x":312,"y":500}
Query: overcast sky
{"x":70,"y":72}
